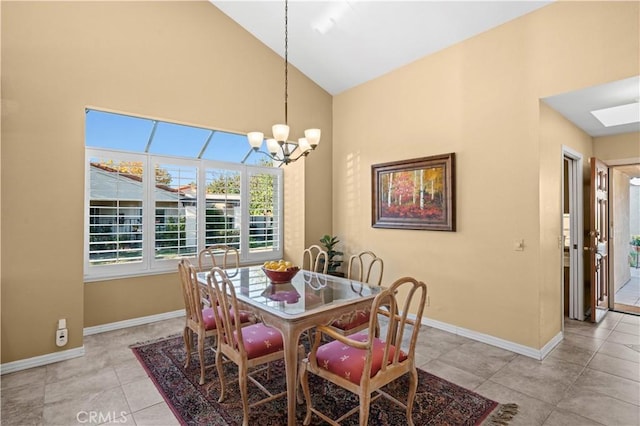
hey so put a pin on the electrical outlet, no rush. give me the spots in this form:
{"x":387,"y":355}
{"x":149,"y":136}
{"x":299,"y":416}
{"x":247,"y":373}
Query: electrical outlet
{"x":61,"y":337}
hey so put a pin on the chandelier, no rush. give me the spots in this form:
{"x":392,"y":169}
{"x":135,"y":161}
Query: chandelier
{"x":279,"y":147}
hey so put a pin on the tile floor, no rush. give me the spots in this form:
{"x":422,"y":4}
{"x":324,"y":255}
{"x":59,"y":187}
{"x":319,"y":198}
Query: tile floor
{"x":629,"y":294}
{"x":591,"y":378}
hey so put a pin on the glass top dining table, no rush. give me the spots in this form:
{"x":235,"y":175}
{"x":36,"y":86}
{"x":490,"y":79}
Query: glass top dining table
{"x":310,"y":299}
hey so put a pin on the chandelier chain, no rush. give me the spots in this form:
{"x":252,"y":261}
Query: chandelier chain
{"x":286,"y":59}
{"x":279,"y":148}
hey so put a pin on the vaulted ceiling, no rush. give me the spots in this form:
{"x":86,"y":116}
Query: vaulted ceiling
{"x":340,"y":44}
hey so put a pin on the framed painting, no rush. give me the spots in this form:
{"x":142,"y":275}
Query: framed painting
{"x":414,"y":194}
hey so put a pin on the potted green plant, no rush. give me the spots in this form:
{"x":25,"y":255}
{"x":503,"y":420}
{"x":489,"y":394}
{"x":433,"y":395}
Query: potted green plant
{"x":329,"y":244}
{"x":635,"y":245}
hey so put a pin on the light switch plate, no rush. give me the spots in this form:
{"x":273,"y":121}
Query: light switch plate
{"x":518,"y":245}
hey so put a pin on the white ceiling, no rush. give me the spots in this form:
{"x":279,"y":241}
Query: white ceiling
{"x":340,"y":44}
{"x":576,"y":106}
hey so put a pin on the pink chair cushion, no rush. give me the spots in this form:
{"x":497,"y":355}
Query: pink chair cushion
{"x":260,"y":340}
{"x":244,"y":316}
{"x":209,"y":319}
{"x":359,"y":318}
{"x":348,"y":362}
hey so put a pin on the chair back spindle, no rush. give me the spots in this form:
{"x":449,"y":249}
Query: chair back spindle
{"x":315,"y":259}
{"x":231,"y":330}
{"x":366,"y":267}
{"x":207,"y":257}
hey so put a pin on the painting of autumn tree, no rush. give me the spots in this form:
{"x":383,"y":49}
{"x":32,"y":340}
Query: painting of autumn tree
{"x":414,"y":194}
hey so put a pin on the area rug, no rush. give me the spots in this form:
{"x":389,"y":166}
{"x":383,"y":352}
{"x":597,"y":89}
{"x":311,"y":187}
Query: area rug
{"x":438,"y":402}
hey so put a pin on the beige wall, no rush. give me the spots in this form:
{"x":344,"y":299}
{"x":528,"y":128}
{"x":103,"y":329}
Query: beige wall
{"x":187,"y":62}
{"x":179,"y":61}
{"x":618,"y":149}
{"x":480,"y":99}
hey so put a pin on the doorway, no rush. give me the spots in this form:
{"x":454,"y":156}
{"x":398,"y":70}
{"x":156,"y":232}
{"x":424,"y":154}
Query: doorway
{"x":572,"y":235}
{"x":625,"y":230}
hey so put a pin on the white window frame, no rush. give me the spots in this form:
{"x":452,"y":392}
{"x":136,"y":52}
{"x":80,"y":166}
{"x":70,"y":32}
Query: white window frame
{"x":149,"y":264}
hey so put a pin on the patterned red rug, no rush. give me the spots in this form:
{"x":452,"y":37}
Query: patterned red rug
{"x":438,"y":402}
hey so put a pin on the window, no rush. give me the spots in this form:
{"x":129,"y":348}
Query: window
{"x":263,"y":228}
{"x":115,"y":210}
{"x":147,"y":210}
{"x":175,"y":202}
{"x":223,"y":212}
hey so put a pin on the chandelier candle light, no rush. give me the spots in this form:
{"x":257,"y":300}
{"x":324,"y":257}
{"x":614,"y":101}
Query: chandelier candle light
{"x":280,"y":149}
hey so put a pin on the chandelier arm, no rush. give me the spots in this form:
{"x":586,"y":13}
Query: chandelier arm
{"x":302,"y":154}
{"x":247,"y":155}
{"x":268,"y":154}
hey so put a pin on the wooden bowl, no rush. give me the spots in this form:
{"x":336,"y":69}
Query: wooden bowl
{"x":279,"y":277}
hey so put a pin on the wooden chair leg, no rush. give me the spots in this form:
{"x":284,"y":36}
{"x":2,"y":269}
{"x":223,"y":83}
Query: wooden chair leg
{"x":365,"y":401}
{"x":301,"y":355}
{"x":242,"y":381}
{"x":413,"y":387}
{"x":186,"y":335}
{"x":304,"y":382}
{"x":201,"y":353}
{"x":220,"y":369}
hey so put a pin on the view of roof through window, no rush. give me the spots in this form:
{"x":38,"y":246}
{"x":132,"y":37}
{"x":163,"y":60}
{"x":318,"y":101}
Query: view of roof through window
{"x":127,"y":133}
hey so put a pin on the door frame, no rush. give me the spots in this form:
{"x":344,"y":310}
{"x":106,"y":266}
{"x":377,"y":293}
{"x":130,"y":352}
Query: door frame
{"x":576,"y":220}
{"x":599,"y":235}
{"x":614,"y":256}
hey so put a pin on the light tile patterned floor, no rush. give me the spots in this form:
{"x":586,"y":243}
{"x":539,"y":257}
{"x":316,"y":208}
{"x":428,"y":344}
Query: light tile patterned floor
{"x":591,"y":378}
{"x":629,"y":293}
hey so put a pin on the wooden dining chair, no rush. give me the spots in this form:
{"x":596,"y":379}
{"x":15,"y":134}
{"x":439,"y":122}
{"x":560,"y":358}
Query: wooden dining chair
{"x":363,"y":363}
{"x":364,"y":267}
{"x":207,"y":257}
{"x":199,"y":301}
{"x":248,"y":347}
{"x":200,"y":318}
{"x":315,"y":259}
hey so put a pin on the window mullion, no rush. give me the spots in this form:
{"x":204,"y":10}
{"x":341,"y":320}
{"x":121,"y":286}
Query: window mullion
{"x":149,"y":237}
{"x":202,"y":204}
{"x":244,"y":213}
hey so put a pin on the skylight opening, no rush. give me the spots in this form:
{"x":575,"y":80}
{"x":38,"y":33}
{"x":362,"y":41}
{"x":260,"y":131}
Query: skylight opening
{"x":618,"y":115}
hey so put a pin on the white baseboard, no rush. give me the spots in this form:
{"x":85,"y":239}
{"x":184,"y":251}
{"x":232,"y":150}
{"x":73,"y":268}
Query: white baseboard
{"x":555,"y":340}
{"x":132,"y":322}
{"x":23,"y":364}
{"x":538,"y":354}
{"x":37,"y":361}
